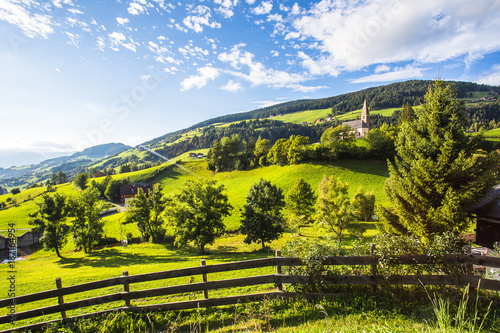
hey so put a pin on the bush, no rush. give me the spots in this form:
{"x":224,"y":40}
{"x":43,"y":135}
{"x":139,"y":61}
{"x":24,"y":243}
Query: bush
{"x":15,"y":190}
{"x":389,"y":246}
{"x":108,"y":241}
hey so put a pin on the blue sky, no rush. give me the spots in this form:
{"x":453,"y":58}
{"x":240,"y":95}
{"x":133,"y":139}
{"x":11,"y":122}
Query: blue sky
{"x":81,"y":73}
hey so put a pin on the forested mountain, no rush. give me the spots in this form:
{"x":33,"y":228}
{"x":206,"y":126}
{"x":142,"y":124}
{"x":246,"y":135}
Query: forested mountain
{"x":258,"y":124}
{"x":390,"y":96}
{"x":482,"y":106}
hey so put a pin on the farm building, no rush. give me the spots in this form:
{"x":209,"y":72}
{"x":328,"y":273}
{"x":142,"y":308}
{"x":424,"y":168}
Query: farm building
{"x":128,"y":192}
{"x":488,"y":219}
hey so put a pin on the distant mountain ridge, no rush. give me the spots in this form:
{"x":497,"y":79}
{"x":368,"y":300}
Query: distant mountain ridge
{"x":68,"y":164}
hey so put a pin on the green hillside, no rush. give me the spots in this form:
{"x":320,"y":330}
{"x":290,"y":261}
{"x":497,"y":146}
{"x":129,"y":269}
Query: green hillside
{"x":369,"y":174}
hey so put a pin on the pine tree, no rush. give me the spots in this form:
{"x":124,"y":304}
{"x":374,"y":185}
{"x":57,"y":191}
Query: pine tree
{"x":437,"y":175}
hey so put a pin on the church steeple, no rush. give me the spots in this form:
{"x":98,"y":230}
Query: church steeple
{"x":365,"y":116}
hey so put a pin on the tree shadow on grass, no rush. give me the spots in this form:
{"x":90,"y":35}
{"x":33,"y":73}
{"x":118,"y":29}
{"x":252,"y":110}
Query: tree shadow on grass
{"x":113,"y":257}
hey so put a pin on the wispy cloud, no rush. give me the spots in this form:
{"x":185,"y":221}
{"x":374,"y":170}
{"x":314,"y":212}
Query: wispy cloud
{"x":33,"y":25}
{"x":257,"y":73}
{"x":491,"y":77}
{"x":398,"y":74}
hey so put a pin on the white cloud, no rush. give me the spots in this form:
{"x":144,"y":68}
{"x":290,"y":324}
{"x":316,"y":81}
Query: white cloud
{"x":198,"y":81}
{"x":354,"y":35}
{"x":135,"y":8}
{"x":275,"y":53}
{"x":122,"y":21}
{"x":382,"y":69}
{"x":75,"y":11}
{"x":118,"y":39}
{"x":32,"y":25}
{"x":265,"y":104}
{"x":491,"y":78}
{"x":202,"y":18}
{"x":250,"y":2}
{"x":232,"y":86}
{"x":264,"y":8}
{"x":258,"y":74}
{"x":398,"y":74}
{"x":226,"y":6}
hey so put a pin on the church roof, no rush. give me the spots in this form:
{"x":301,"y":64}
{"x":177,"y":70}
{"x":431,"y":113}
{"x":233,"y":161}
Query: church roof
{"x":355,"y":124}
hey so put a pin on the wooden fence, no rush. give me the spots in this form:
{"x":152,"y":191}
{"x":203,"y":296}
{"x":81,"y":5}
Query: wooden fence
{"x":206,"y":286}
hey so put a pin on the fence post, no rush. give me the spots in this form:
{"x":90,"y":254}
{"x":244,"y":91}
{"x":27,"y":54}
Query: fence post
{"x":60,"y":297}
{"x":373,"y":269}
{"x":126,"y":288}
{"x":204,"y":276}
{"x":469,"y":269}
{"x":278,"y":269}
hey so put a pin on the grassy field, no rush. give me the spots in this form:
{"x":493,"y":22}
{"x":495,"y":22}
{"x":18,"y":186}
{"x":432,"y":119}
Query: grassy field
{"x":368,"y":174}
{"x":353,"y":311}
{"x":310,"y":116}
{"x":494,"y":133}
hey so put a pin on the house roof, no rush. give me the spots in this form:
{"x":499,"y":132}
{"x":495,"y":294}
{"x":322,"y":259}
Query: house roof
{"x":489,"y":207}
{"x":132,"y":189}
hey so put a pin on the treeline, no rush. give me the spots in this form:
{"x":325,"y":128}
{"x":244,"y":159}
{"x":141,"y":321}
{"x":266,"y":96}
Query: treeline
{"x":235,"y":153}
{"x":269,"y":129}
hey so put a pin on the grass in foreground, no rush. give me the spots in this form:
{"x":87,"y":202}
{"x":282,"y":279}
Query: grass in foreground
{"x":357,"y":309}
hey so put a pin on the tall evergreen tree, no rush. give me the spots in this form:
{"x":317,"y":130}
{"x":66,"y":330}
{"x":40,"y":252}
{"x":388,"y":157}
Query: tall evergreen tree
{"x":437,"y":175}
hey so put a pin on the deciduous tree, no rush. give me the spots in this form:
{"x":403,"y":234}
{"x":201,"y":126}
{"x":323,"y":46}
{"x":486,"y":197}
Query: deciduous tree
{"x":147,"y":213}
{"x":262,"y":220}
{"x":50,"y":218}
{"x":197,"y":212}
{"x":333,"y":207}
{"x":88,"y":224}
{"x":300,"y":201}
{"x":80,"y":180}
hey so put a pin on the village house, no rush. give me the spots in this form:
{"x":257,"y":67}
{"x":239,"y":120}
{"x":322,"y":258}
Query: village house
{"x":128,"y":192}
{"x":360,"y":126}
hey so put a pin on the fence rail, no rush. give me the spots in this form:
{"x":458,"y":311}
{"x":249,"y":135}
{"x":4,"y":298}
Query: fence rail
{"x":278,"y":279}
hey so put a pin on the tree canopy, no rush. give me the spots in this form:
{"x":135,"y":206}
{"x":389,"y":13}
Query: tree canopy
{"x":262,"y":219}
{"x":197,"y":212}
{"x":50,"y":218}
